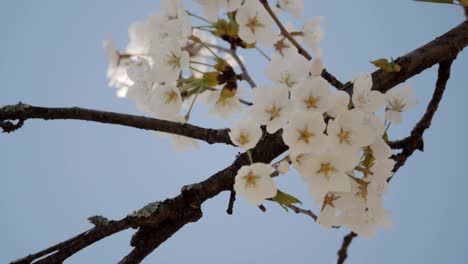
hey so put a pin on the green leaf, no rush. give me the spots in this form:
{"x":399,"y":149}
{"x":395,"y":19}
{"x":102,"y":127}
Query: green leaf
{"x":387,"y":66}
{"x":437,"y":1}
{"x":283,"y":199}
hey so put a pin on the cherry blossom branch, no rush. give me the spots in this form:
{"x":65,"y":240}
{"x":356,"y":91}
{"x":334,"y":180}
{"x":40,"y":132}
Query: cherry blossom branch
{"x":185,"y":207}
{"x":413,"y":142}
{"x":22,"y":112}
{"x":285,"y":33}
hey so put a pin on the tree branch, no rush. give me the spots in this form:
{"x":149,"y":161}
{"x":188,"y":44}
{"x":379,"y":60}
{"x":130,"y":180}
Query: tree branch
{"x":441,"y":49}
{"x":412,"y":142}
{"x":343,"y":252}
{"x":415,"y":140}
{"x":23,"y":112}
{"x":160,"y":220}
{"x":184,"y":208}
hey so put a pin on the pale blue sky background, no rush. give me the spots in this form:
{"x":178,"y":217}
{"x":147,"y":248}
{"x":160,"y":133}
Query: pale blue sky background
{"x":55,"y":174}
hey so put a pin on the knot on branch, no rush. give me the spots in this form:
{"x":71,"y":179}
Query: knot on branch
{"x":147,"y":211}
{"x":98,"y":220}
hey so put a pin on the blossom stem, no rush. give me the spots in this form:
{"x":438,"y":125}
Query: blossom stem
{"x":199,"y":17}
{"x":263,"y":53}
{"x":187,"y":116}
{"x":388,"y":126}
{"x":195,"y":69}
{"x":201,"y":63}
{"x":209,"y":49}
{"x":249,"y":154}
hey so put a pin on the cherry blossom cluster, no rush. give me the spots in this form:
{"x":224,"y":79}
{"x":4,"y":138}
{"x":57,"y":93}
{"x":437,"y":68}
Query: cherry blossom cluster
{"x":337,"y":142}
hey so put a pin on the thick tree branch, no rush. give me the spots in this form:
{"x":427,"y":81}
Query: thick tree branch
{"x":22,"y":112}
{"x":160,"y":220}
{"x":441,"y":49}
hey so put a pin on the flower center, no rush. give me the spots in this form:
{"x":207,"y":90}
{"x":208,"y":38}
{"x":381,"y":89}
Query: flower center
{"x":274,"y":112}
{"x":326,"y":169}
{"x":396,"y":104}
{"x":304,"y":135}
{"x":311,"y":102}
{"x":286,"y":79}
{"x":243,"y":138}
{"x":173,"y":60}
{"x":329,"y":199}
{"x":362,"y":99}
{"x":253,"y":23}
{"x":250,"y":180}
{"x":345,"y":137}
{"x":171,"y":97}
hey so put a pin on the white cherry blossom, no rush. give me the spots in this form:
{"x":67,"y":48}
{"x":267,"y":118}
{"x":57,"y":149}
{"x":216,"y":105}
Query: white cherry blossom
{"x":326,"y":171}
{"x":294,"y":7}
{"x":290,"y":69}
{"x":365,"y":99}
{"x":211,"y":8}
{"x":398,"y":100}
{"x":313,"y":34}
{"x":271,"y":107}
{"x":313,"y":95}
{"x":166,"y":100}
{"x":304,"y":132}
{"x":169,"y":61}
{"x":245,"y":133}
{"x":347,"y":130}
{"x":254,"y":183}
{"x":339,"y":103}
{"x":255,"y":24}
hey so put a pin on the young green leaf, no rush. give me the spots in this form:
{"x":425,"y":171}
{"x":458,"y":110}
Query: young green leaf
{"x":285,"y":199}
{"x":387,"y":66}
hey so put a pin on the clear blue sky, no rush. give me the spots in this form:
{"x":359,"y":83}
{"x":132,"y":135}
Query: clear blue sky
{"x":55,"y":174}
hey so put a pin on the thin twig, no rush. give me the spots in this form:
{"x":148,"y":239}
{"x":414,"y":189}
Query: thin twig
{"x":285,"y":33}
{"x":343,"y":252}
{"x":299,"y":210}
{"x":232,"y":199}
{"x":415,"y":140}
